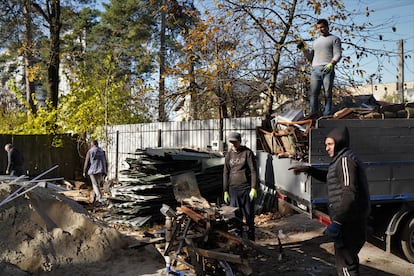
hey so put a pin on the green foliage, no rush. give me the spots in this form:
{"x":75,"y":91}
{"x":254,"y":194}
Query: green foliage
{"x":96,"y":99}
{"x":126,"y":29}
{"x":99,"y":99}
{"x":45,"y":122}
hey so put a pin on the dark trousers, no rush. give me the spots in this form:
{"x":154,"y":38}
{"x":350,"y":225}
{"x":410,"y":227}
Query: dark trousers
{"x":241,"y":200}
{"x":346,"y":256}
{"x":17,"y":171}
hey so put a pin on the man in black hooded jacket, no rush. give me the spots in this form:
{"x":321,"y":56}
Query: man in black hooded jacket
{"x":348,"y":200}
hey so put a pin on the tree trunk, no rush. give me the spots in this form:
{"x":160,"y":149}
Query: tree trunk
{"x":267,"y":112}
{"x":194,"y":100}
{"x":28,"y":56}
{"x":54,"y":60}
{"x":161,"y":94}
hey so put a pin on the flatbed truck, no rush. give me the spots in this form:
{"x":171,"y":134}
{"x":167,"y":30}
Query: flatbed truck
{"x":386,"y":147}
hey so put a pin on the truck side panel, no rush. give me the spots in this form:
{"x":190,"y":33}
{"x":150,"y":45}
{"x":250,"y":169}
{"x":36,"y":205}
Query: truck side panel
{"x":385,"y":146}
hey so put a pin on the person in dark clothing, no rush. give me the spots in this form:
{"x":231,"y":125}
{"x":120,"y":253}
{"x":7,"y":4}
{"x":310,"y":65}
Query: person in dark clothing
{"x":348,"y":200}
{"x":14,"y":161}
{"x":240,"y":182}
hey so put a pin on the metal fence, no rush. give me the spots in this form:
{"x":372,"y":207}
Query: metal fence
{"x":124,"y":140}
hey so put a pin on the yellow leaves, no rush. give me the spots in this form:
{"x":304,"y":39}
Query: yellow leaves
{"x":233,"y":65}
{"x":164,"y":8}
{"x":32,"y":71}
{"x":227,"y":86}
{"x":317,"y":6}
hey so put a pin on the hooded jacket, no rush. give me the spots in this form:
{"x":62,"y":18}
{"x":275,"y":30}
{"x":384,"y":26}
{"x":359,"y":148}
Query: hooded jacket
{"x":348,"y":192}
{"x":240,"y":170}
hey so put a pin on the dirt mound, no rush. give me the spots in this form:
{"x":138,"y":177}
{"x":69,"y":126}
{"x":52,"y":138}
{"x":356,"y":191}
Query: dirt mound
{"x":44,"y":231}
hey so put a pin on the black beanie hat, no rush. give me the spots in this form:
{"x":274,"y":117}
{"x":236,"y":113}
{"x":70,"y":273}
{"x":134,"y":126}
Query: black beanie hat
{"x":341,"y":137}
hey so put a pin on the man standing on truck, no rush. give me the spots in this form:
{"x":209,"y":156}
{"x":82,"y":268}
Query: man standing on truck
{"x":324,"y":55}
{"x":348,"y":200}
{"x":240,"y":182}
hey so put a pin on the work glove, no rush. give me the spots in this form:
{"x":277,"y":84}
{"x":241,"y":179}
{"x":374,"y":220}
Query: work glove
{"x":7,"y":172}
{"x":333,"y":230}
{"x":226,"y":197}
{"x":253,"y":194}
{"x":300,"y":169}
{"x":328,"y":68}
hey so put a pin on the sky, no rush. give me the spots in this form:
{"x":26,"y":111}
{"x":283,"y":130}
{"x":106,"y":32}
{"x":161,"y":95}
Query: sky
{"x":387,"y":14}
{"x":395,"y":13}
{"x":390,"y":13}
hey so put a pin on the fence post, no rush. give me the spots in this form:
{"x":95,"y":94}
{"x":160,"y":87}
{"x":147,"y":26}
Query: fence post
{"x":159,"y":138}
{"x":117,"y":155}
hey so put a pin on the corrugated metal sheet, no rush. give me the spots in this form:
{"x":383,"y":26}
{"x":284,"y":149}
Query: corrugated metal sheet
{"x":124,"y":140}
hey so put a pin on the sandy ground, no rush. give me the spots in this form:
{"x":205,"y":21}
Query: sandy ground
{"x":43,"y":233}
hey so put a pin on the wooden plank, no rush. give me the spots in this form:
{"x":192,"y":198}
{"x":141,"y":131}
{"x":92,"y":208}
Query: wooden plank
{"x":192,"y":214}
{"x":228,"y":257}
{"x":78,"y":195}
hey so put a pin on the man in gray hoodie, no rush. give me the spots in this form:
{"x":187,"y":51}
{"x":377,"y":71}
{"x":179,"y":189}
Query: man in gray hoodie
{"x":348,"y":200}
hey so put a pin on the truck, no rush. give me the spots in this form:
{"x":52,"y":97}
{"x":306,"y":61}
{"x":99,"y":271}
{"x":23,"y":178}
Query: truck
{"x":386,"y":147}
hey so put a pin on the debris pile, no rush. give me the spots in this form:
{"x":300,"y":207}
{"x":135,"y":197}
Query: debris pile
{"x":146,"y":184}
{"x":289,"y":134}
{"x":45,"y":231}
{"x":198,"y":235}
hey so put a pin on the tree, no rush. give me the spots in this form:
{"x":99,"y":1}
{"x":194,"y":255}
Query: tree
{"x":16,"y":16}
{"x":99,"y":99}
{"x":24,"y":35}
{"x":270,"y":31}
{"x":175,"y":21}
{"x":51,"y":12}
{"x":216,"y":80}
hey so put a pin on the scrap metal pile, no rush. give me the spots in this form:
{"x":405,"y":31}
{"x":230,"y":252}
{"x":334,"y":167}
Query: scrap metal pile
{"x":146,"y":184}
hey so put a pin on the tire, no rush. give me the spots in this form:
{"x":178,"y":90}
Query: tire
{"x":407,"y":240}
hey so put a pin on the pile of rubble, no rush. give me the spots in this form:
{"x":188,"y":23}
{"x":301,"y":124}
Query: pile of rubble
{"x":147,"y":181}
{"x":288,"y":136}
{"x":147,"y":184}
{"x":198,"y":235}
{"x":42,"y":230}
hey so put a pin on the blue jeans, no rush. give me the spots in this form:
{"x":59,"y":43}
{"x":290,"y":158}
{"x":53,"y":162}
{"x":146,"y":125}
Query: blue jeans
{"x":321,"y":79}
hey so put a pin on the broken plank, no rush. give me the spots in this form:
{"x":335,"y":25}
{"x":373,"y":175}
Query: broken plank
{"x":192,"y":214}
{"x":228,"y":257}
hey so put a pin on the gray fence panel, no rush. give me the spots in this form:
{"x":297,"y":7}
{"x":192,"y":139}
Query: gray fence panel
{"x":125,"y":140}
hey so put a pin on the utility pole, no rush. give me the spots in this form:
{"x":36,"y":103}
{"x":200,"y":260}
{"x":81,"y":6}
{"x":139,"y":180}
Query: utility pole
{"x":400,"y":83}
